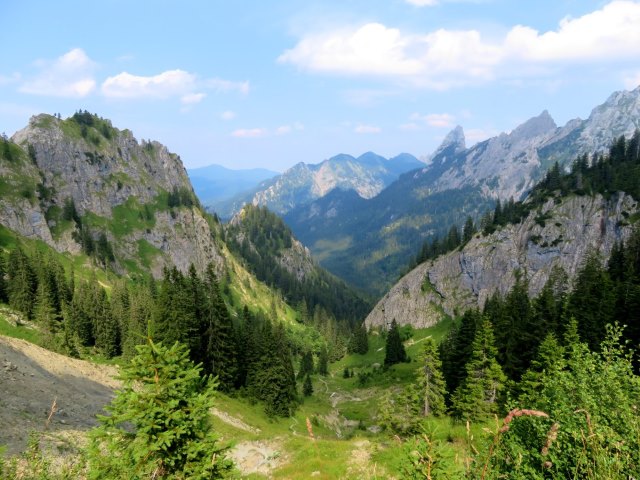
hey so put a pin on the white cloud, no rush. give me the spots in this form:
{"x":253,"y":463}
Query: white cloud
{"x":192,"y":98}
{"x":220,"y":85}
{"x":439,"y":120}
{"x":228,"y":115}
{"x":70,"y":75}
{"x":164,"y":85}
{"x":250,"y":133}
{"x":367,"y":129}
{"x":172,"y":83}
{"x":285,"y":129}
{"x":444,"y":58}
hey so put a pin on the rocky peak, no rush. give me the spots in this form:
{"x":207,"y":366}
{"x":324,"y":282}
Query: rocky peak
{"x":534,"y":127}
{"x":454,"y":142}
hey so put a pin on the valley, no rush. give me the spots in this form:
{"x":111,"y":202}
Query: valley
{"x":118,"y":288}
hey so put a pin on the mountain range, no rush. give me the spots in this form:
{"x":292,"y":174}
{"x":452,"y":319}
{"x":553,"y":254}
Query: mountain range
{"x":369,"y":241}
{"x":215,"y":183}
{"x":367,"y":175}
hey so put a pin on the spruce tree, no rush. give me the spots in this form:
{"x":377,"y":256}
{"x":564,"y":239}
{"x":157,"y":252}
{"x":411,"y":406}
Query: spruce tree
{"x":306,"y":365}
{"x":221,"y":359}
{"x":429,"y":391}
{"x":159,"y":424}
{"x":394,"y":349}
{"x":3,"y":282}
{"x":307,"y":388}
{"x":22,"y":282}
{"x":477,"y":397}
{"x":323,"y":362}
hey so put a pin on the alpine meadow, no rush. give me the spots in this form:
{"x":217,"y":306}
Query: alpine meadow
{"x":333,"y":240}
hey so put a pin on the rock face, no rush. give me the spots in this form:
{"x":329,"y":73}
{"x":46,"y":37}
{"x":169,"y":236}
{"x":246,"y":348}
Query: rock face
{"x":466,"y":278}
{"x":508,"y":165}
{"x":368,"y":175}
{"x":120,"y":187}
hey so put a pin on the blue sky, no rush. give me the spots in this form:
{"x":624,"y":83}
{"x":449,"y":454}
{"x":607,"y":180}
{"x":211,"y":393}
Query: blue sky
{"x":271,"y":83}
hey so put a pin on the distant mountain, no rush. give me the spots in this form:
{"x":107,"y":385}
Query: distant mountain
{"x":367,"y":175}
{"x":368,"y":242}
{"x":214,"y":183}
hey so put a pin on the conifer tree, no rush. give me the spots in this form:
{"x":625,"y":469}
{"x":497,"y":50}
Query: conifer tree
{"x":159,"y":426}
{"x":429,"y":391}
{"x":138,"y":321}
{"x":307,"y":388}
{"x":306,"y":365}
{"x":3,"y":282}
{"x":394,"y":349}
{"x":323,"y":362}
{"x":477,"y":397}
{"x":221,"y":358}
{"x":22,"y":282}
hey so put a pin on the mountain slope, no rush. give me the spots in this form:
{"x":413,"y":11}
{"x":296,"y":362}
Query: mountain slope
{"x":302,"y":183}
{"x":565,"y":218}
{"x":369,"y":242}
{"x":215,"y":183}
{"x":85,"y":186}
{"x":276,"y":257}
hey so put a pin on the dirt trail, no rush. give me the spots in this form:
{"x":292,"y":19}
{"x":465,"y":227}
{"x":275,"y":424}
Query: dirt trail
{"x":31,"y":378}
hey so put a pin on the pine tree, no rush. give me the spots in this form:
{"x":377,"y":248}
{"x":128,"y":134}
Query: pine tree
{"x":221,"y":348}
{"x":549,"y":358}
{"x":323,"y":362}
{"x":3,"y":282}
{"x":307,"y":388}
{"x":429,"y":392}
{"x":477,"y":397}
{"x":159,"y":423}
{"x":394,"y":349}
{"x":306,"y":365}
{"x":138,"y":322}
{"x":22,"y":282}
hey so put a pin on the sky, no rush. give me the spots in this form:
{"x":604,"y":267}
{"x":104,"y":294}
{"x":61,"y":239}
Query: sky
{"x":254,"y":83}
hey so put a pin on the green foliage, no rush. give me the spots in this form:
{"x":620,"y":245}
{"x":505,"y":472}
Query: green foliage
{"x":593,"y":428}
{"x":394,"y":349}
{"x":429,"y":390}
{"x":262,"y":239}
{"x":477,"y":397}
{"x":159,"y":422}
{"x":307,"y":387}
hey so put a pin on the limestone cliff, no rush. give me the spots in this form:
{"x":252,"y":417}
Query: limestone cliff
{"x":135,"y":194}
{"x":557,"y":234}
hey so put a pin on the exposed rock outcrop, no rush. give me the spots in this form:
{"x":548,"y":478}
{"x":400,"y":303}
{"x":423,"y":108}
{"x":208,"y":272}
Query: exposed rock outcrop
{"x":119,"y":187}
{"x":557,"y":235}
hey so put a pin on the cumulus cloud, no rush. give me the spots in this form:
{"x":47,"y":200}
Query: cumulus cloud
{"x":367,"y":129}
{"x":70,"y":75}
{"x":443,"y":58}
{"x":172,"y":83}
{"x":250,"y":133}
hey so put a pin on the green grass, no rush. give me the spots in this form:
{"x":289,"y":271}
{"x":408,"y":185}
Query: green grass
{"x":21,"y":331}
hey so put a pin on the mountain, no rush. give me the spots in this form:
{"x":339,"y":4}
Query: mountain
{"x":463,"y":279}
{"x":215,"y":183}
{"x":367,"y":175}
{"x":276,"y":257}
{"x":79,"y":184}
{"x":566,"y":218}
{"x":368,"y":243}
